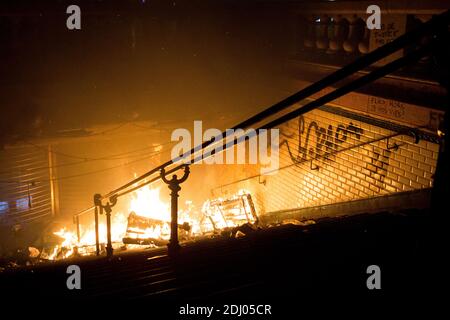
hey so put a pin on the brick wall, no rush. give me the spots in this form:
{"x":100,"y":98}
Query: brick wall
{"x":332,"y":155}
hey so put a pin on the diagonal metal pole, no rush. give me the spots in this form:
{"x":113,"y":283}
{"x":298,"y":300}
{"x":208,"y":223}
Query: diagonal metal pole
{"x":440,"y":21}
{"x":352,"y":86}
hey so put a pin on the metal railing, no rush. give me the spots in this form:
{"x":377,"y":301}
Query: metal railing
{"x":436,"y":28}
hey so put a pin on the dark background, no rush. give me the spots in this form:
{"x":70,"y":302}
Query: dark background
{"x":138,"y":60}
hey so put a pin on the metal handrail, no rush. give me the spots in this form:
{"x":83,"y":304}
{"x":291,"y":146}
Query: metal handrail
{"x":411,"y":132}
{"x":429,"y":27}
{"x":359,"y":64}
{"x":352,"y":86}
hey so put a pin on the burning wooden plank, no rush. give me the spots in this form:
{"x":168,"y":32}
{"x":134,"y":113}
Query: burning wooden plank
{"x":145,"y":231}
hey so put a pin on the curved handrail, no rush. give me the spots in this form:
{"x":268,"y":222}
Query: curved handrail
{"x":363,"y":62}
{"x":431,"y":26}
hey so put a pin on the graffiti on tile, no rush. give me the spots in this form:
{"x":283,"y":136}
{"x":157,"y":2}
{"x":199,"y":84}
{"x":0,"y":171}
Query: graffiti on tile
{"x":319,"y":141}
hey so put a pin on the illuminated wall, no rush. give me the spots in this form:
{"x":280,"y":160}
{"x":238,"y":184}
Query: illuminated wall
{"x":333,"y":155}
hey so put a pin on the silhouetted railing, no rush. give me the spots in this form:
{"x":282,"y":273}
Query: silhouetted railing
{"x":433,"y":29}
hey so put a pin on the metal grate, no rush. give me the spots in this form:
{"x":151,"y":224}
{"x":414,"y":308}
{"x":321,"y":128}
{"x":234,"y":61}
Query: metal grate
{"x":24,"y":185}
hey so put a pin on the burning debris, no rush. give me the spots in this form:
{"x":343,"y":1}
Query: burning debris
{"x":147,"y":231}
{"x":235,"y":216}
{"x":148,"y":224}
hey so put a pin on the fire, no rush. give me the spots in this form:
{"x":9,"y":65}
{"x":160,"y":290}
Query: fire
{"x":148,"y":218}
{"x":70,"y":240}
{"x":146,"y":202}
{"x":71,"y":245}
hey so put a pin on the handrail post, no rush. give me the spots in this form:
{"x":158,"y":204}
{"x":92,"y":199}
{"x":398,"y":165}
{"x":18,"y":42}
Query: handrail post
{"x":107,"y":208}
{"x":174,"y":186}
{"x":78,"y":228}
{"x":109,"y":248}
{"x":97,"y":204}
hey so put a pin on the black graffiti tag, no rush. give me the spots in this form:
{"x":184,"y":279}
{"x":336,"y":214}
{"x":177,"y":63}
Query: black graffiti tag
{"x":320,"y":142}
{"x":378,"y":166}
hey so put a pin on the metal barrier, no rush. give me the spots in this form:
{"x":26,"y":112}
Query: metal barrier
{"x":437,"y":28}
